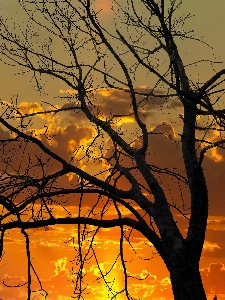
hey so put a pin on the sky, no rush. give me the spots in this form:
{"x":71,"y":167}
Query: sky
{"x":53,"y":249}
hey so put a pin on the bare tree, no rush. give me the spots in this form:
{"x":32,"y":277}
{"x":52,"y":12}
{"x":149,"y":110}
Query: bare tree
{"x":33,"y":168}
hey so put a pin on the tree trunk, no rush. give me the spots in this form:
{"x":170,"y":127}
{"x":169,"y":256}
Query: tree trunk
{"x":186,"y":280}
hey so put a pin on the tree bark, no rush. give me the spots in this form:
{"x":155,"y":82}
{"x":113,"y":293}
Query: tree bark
{"x":186,"y":280}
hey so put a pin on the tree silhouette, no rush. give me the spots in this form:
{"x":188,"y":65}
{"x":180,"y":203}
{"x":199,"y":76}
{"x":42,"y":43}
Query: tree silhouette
{"x":127,"y":175}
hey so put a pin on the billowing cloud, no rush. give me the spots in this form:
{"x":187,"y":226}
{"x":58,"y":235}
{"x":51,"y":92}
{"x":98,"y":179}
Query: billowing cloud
{"x":213,"y":278}
{"x":63,"y":141}
{"x":111,"y":103}
{"x":72,"y":139}
{"x":29,"y":107}
{"x":215,"y":244}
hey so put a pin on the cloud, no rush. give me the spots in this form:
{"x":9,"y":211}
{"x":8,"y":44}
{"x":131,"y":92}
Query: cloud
{"x":60,"y":265}
{"x":66,"y":142}
{"x":210,"y":246}
{"x":74,"y":139}
{"x":111,"y":102}
{"x":29,"y":107}
{"x":9,"y":291}
{"x":215,"y":244}
{"x":213,"y":278}
{"x":164,"y":152}
{"x":151,"y":287}
{"x":214,"y":173}
{"x":4,"y":135}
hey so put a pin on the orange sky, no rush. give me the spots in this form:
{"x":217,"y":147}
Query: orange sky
{"x":52,"y":248}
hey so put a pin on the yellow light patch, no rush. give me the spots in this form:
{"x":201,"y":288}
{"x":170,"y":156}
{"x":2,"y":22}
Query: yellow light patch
{"x":217,"y":157}
{"x":166,"y":281}
{"x":70,"y":176}
{"x":104,"y":92}
{"x":68,"y":91}
{"x":60,"y":265}
{"x":72,"y":145}
{"x":29,"y":108}
{"x":210,"y":246}
{"x":124,"y":120}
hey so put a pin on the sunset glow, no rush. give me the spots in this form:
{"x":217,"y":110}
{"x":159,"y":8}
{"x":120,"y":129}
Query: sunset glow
{"x":69,"y":90}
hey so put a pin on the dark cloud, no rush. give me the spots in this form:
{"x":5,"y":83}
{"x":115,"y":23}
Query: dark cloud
{"x":217,"y":239}
{"x":216,"y":222}
{"x":214,"y":278}
{"x":3,"y":134}
{"x":19,"y":155}
{"x":110,"y":102}
{"x":214,"y":173}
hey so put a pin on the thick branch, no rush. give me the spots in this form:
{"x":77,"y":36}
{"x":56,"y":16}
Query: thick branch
{"x":68,"y":167}
{"x":212,"y":80}
{"x":146,"y":231}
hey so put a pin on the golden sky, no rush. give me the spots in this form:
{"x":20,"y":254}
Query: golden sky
{"x":53,"y":248}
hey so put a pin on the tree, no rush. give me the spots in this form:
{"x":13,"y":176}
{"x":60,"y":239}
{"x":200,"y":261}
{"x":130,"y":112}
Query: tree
{"x":146,"y":43}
